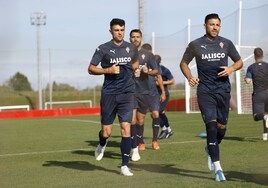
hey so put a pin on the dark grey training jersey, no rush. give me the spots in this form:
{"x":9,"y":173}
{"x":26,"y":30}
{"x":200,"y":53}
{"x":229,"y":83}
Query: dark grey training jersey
{"x":142,"y":82}
{"x":108,"y":54}
{"x":166,"y":75}
{"x":210,"y":56}
{"x":258,"y":72}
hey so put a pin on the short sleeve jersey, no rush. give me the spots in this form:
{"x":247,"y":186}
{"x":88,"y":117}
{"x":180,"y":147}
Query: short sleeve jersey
{"x":166,"y":75}
{"x":142,"y":82}
{"x":258,"y":72}
{"x":107,"y":55}
{"x":210,"y":55}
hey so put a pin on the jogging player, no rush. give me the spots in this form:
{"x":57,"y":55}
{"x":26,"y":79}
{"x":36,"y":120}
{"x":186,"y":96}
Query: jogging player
{"x":155,"y":97}
{"x":211,"y":53}
{"x":147,"y":66}
{"x":168,"y":79}
{"x":119,"y":64}
{"x":258,"y":73}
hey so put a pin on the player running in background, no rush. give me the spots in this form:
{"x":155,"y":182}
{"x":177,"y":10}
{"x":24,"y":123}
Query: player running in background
{"x":211,"y":53}
{"x":156,"y":98}
{"x":118,"y":60}
{"x":146,"y":62}
{"x":258,"y":73}
{"x":168,"y":79}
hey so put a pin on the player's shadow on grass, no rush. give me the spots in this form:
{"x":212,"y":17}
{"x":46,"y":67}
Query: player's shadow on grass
{"x":77,"y":165}
{"x":260,"y":179}
{"x":107,"y":154}
{"x":170,"y":169}
{"x":110,"y":143}
{"x":240,"y":139}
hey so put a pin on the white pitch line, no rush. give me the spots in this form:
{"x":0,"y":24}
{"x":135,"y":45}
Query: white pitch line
{"x":85,"y":121}
{"x":41,"y":152}
{"x":81,"y":149}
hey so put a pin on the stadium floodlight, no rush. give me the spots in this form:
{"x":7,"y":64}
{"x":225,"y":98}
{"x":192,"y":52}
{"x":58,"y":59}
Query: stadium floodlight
{"x":38,"y":19}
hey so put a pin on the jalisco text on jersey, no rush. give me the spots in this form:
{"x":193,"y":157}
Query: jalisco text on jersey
{"x":213,"y":56}
{"x":120,"y":60}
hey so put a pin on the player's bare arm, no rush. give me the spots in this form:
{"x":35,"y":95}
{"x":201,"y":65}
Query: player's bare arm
{"x":187,"y":73}
{"x":94,"y":70}
{"x":161,"y":85}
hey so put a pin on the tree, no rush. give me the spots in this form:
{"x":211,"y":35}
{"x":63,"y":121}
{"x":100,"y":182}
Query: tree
{"x":61,"y":87}
{"x":19,"y":82}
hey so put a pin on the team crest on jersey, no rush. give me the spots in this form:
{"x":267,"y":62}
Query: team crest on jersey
{"x":127,"y":49}
{"x":221,"y":44}
{"x":143,"y":56}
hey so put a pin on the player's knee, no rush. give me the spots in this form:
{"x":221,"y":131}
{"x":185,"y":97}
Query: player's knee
{"x":106,"y":133}
{"x":155,"y":114}
{"x":221,"y":126}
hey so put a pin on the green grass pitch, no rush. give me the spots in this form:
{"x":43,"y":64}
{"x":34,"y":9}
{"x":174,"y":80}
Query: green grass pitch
{"x":59,"y":152}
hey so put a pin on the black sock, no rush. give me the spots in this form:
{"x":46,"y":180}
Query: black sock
{"x":133,"y":136}
{"x":212,"y":143}
{"x":164,"y":119}
{"x":220,"y":134}
{"x":155,"y":126}
{"x":102,"y":139}
{"x":140,"y":130}
{"x":125,"y":150}
{"x":265,"y":129}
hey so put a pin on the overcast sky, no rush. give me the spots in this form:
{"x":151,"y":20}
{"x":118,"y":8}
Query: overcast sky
{"x":76,"y":27}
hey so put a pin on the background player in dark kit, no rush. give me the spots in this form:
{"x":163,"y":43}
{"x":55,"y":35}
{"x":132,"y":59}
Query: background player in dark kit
{"x":258,"y":73}
{"x":167,"y":79}
{"x":148,"y":66}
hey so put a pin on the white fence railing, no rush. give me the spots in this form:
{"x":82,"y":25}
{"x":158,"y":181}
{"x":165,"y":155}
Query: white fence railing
{"x":68,"y":102}
{"x":27,"y":107}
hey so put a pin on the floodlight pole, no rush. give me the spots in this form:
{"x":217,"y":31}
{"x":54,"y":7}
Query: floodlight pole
{"x":38,"y":19}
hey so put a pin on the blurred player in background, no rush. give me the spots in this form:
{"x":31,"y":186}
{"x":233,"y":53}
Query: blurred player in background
{"x":211,"y":53}
{"x":147,"y":66}
{"x":258,"y":74}
{"x":168,"y":79}
{"x":155,"y":99}
{"x":119,"y":64}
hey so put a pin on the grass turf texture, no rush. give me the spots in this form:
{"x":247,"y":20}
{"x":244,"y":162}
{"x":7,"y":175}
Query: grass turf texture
{"x":59,"y":152}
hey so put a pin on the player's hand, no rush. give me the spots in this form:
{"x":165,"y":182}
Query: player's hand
{"x":137,"y":73}
{"x":193,"y":81}
{"x":115,"y":69}
{"x":225,"y":71}
{"x":145,"y":68}
{"x":163,"y":97}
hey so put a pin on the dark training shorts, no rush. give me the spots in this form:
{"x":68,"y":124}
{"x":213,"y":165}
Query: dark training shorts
{"x":163,"y":105}
{"x":142,"y":102}
{"x":260,"y":102}
{"x":154,"y":103}
{"x":214,"y":106}
{"x":120,"y":104}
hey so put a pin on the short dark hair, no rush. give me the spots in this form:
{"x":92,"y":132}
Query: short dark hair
{"x":147,"y":46}
{"x":135,"y":31}
{"x":117,"y":21}
{"x":258,"y":53}
{"x":157,"y":58}
{"x":212,"y":16}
